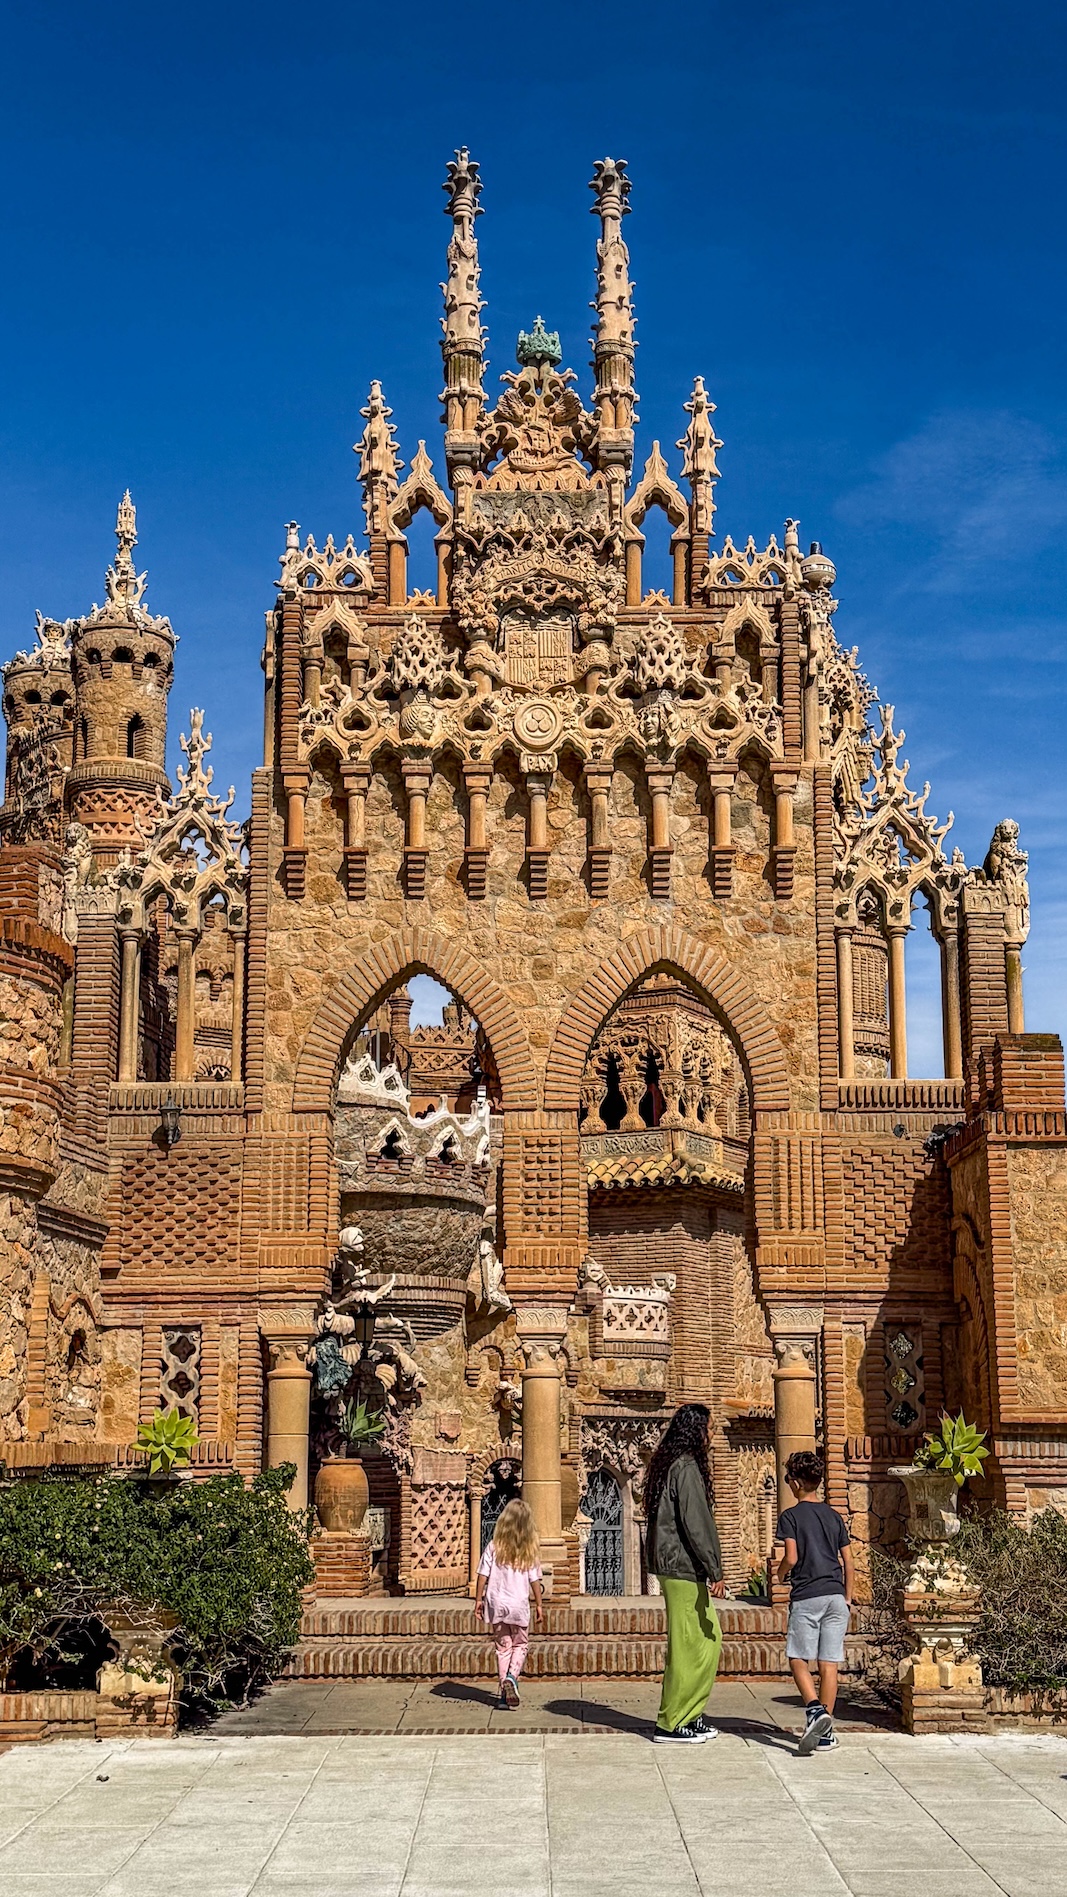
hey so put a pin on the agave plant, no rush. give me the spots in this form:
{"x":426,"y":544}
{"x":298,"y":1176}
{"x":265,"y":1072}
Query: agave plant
{"x":167,"y":1440}
{"x":360,"y":1425}
{"x":954,"y":1446}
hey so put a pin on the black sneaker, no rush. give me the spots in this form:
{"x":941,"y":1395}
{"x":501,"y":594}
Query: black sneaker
{"x":827,"y":1742}
{"x":818,"y":1722}
{"x":693,"y":1735}
{"x":703,"y":1724}
{"x":502,"y":1704}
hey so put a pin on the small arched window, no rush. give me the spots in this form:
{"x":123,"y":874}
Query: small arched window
{"x":136,"y":738}
{"x":122,"y":656}
{"x":83,"y":738}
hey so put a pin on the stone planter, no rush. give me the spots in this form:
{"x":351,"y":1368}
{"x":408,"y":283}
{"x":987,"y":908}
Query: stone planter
{"x":933,"y":1499}
{"x":138,"y":1690}
{"x":342,"y":1495}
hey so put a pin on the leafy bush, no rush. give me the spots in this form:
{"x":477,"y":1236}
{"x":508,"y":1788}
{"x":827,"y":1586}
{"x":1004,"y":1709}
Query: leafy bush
{"x":1022,"y":1571}
{"x":228,"y":1561}
{"x":1021,"y":1637}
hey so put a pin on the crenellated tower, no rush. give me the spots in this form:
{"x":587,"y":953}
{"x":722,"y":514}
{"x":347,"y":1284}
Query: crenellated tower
{"x":39,"y":715}
{"x":122,"y":659}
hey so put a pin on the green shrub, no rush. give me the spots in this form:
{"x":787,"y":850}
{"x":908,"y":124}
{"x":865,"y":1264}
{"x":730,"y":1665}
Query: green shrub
{"x":1022,"y":1571}
{"x":1021,"y":1637}
{"x":229,"y":1561}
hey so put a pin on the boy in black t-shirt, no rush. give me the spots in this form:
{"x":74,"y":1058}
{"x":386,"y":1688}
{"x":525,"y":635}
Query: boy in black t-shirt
{"x":818,"y":1565}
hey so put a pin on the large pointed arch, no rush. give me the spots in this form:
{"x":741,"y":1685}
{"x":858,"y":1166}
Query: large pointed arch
{"x":380,"y":970}
{"x":709,"y":972}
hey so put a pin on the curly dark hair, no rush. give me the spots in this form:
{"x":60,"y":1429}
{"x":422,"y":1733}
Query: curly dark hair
{"x":685,"y":1435}
{"x":805,"y":1467}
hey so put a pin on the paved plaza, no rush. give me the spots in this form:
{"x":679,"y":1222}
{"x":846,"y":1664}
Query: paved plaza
{"x":550,"y":1813}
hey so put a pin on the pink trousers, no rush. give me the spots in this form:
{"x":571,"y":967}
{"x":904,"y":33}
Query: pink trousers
{"x":511,"y":1642}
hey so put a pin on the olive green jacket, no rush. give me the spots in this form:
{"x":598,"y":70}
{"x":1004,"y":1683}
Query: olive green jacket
{"x":683,"y":1541}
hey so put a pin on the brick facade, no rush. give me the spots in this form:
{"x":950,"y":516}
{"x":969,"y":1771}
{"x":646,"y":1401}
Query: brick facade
{"x":554,"y":792}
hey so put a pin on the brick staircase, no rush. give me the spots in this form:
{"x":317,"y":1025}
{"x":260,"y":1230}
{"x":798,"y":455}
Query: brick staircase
{"x":433,"y":1637}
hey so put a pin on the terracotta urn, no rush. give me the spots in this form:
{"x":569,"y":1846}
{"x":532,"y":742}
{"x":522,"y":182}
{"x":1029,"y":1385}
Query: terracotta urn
{"x":933,"y":1498}
{"x":341,"y":1495}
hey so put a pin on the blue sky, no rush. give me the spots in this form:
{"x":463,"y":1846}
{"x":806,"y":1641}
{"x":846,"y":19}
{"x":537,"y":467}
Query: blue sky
{"x":221,"y":222}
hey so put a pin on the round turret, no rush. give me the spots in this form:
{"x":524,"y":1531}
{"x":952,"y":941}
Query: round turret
{"x":38,"y":702}
{"x":123,"y":666}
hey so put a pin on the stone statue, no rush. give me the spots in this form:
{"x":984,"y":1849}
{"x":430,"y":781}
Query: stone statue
{"x":490,"y":1290}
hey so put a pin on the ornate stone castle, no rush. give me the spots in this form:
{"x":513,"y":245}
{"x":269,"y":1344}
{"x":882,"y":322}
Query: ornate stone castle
{"x":664,"y":855}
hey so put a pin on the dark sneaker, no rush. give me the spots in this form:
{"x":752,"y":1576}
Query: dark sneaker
{"x":703,"y":1724}
{"x":693,"y":1735}
{"x":510,"y":1692}
{"x":827,"y":1742}
{"x":502,"y":1704}
{"x":818,"y":1723}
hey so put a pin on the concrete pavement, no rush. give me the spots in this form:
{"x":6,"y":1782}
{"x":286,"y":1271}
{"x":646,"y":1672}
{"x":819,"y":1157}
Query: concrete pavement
{"x":543,"y":1815}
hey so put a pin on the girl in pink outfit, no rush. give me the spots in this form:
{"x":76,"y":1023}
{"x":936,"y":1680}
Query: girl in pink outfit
{"x":508,"y":1573}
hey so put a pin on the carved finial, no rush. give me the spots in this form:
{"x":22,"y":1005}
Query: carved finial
{"x":1007,"y":865}
{"x":123,"y":582}
{"x":196,"y":778}
{"x":463,"y":342}
{"x":699,"y":466}
{"x":379,"y":462}
{"x":613,"y":342}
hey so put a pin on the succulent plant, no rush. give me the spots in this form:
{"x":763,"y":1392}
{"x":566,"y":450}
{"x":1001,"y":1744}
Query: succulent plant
{"x":359,"y":1424}
{"x":954,"y":1446}
{"x":167,"y":1440}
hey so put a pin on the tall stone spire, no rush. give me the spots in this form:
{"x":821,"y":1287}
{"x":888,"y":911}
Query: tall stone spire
{"x":463,"y":342}
{"x":699,"y":466}
{"x":613,"y":342}
{"x":123,"y":582}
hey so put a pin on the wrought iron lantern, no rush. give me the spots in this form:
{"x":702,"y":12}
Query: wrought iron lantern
{"x":363,"y":1318}
{"x":170,"y":1122}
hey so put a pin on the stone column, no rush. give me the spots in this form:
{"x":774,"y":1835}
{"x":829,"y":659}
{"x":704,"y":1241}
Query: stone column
{"x":794,"y":1334}
{"x":951,"y":1016}
{"x":128,"y":1008}
{"x":540,"y":1332}
{"x":475,"y":1544}
{"x":898,"y":1020}
{"x":289,"y":1412}
{"x":356,"y":780}
{"x":417,"y":773}
{"x":185,"y":1029}
{"x":785,"y":849}
{"x":846,"y":1038}
{"x":660,"y":776}
{"x":477,"y":779}
{"x":539,"y":771}
{"x":237,"y":1029}
{"x":1013,"y":969}
{"x":721,"y":785}
{"x":598,"y":784}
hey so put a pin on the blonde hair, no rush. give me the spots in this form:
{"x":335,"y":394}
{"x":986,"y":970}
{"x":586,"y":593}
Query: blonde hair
{"x":515,"y":1539}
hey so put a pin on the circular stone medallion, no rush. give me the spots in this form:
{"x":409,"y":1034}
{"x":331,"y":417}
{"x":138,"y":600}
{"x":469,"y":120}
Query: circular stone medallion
{"x":538,"y":724}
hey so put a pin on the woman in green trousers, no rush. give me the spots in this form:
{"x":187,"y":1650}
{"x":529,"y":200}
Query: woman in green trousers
{"x":684,"y":1554}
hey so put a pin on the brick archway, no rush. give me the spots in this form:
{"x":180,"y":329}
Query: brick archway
{"x":672,"y":950}
{"x":382,"y":968}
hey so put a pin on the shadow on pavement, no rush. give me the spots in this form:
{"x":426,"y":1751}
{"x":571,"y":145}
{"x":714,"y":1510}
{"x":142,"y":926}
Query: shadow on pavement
{"x":458,"y":1689}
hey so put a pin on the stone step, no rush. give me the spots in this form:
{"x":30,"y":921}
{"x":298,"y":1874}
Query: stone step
{"x":611,"y":1657}
{"x":400,"y":1619}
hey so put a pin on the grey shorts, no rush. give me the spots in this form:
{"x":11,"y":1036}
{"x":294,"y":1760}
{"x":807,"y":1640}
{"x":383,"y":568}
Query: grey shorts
{"x":817,"y":1628}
